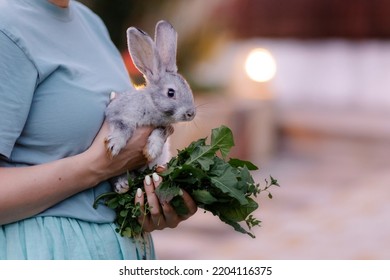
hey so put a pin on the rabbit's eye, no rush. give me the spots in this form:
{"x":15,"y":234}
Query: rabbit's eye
{"x":171,"y":92}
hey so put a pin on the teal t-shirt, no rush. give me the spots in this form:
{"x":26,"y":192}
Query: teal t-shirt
{"x":57,"y":69}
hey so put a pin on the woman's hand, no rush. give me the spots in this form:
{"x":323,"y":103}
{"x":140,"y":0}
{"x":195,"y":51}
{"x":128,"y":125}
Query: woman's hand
{"x":161,"y":215}
{"x":129,"y":158}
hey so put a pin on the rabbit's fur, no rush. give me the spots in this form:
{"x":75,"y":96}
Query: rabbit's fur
{"x":165,"y":99}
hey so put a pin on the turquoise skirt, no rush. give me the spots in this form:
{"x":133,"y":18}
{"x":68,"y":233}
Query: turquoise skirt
{"x":49,"y":238}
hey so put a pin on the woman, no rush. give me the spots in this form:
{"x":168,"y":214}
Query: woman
{"x":57,"y":68}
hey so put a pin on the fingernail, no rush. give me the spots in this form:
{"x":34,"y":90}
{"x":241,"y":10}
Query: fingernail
{"x":139,"y":192}
{"x":156,"y":178}
{"x":181,"y":192}
{"x":112,"y":95}
{"x":148,"y":180}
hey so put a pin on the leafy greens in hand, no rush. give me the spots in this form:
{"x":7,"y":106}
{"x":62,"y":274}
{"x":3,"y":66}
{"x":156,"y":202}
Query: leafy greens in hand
{"x":218,"y":185}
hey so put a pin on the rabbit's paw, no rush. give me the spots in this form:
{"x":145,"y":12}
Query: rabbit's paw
{"x":153,"y":150}
{"x":114,"y":144}
{"x":154,"y":147}
{"x":121,"y":185}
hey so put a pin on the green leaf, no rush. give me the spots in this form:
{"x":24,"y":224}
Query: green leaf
{"x":185,"y":176}
{"x":241,"y":163}
{"x":203,"y":197}
{"x":127,"y":232}
{"x":236,"y":212}
{"x":185,"y":154}
{"x":123,"y":213}
{"x":274,"y":182}
{"x":219,"y":167}
{"x":245,"y":179}
{"x":165,"y":192}
{"x":203,"y":156}
{"x":222,"y":138}
{"x":112,"y":203}
{"x":227,"y":183}
{"x":252,"y":221}
{"x":236,"y":226}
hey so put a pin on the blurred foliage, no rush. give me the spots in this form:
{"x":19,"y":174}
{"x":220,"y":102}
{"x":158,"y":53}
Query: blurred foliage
{"x":198,"y":31}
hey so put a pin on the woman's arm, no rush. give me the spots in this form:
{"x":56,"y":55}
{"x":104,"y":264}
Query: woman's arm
{"x":26,"y":191}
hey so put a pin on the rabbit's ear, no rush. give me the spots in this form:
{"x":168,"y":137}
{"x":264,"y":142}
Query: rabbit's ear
{"x":166,"y":44}
{"x":143,"y":52}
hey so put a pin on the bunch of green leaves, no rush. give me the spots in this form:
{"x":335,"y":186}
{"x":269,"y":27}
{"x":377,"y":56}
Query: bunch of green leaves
{"x":224,"y":187}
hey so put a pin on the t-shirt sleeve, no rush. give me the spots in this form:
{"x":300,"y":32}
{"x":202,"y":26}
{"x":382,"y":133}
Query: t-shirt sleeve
{"x":18,"y":78}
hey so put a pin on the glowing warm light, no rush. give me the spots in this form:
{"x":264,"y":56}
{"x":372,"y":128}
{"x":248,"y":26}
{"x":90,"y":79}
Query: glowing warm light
{"x":260,"y":65}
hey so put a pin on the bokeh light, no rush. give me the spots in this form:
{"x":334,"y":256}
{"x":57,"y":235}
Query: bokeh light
{"x":260,"y":65}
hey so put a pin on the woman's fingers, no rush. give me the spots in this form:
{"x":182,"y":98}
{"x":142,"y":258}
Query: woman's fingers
{"x":160,"y":168}
{"x":150,"y":218}
{"x":159,"y":215}
{"x":155,"y":208}
{"x":140,"y":198}
{"x":170,"y":215}
{"x":190,"y":203}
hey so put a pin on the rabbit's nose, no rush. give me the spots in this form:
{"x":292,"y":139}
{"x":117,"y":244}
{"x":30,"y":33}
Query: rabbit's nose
{"x":190,"y":114}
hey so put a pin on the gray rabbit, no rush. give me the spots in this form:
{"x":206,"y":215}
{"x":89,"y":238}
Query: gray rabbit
{"x":165,"y":99}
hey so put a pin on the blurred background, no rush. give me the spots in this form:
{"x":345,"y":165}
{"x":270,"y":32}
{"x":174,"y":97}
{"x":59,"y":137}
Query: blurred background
{"x":304,"y":85}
